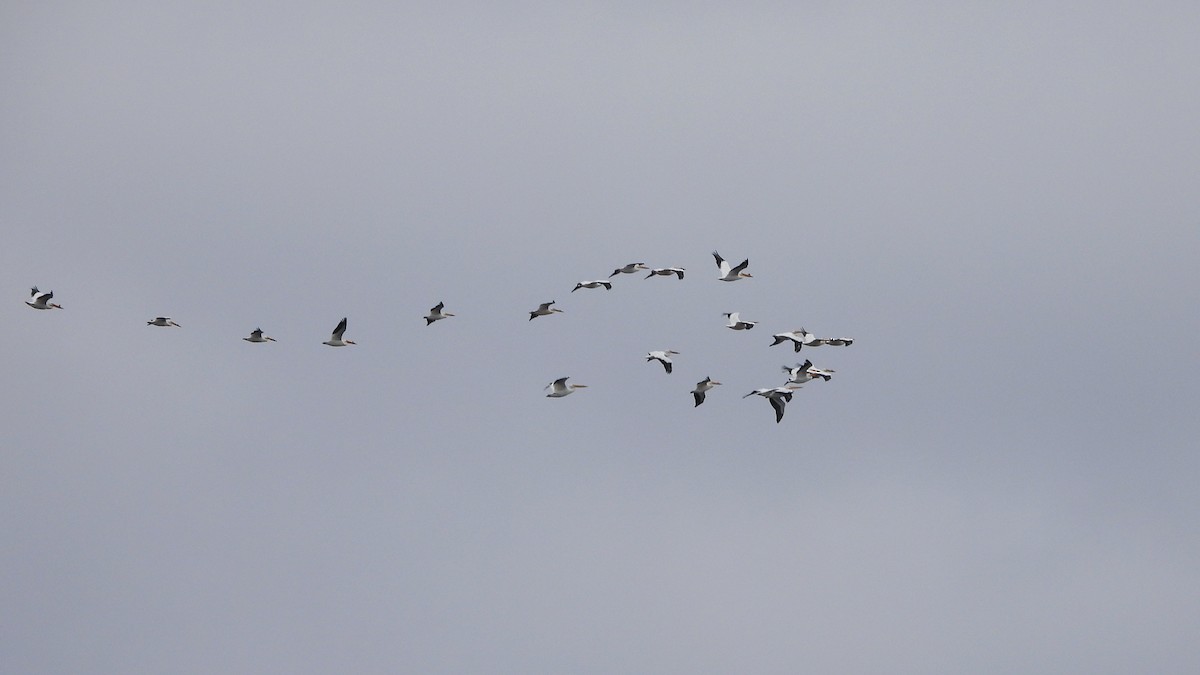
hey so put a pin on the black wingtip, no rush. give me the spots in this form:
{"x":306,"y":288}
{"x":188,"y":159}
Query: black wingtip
{"x":778,"y":406}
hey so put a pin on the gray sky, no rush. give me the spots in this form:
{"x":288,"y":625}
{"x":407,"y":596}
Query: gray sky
{"x":999,"y":205}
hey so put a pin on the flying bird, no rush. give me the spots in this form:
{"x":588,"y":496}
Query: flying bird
{"x":559,"y":388}
{"x":823,"y":373}
{"x":543,"y":310}
{"x":436,"y":314}
{"x":799,"y":338}
{"x":736,"y":323}
{"x":593,"y":284}
{"x":257,"y":336}
{"x":666,"y":272}
{"x":663,"y":357}
{"x":628,"y":269}
{"x":728,"y":273}
{"x":162,"y":321}
{"x":803,"y":372}
{"x":701,"y":388}
{"x":336,"y":340}
{"x":41,"y":300}
{"x":798,"y":374}
{"x":778,"y":396}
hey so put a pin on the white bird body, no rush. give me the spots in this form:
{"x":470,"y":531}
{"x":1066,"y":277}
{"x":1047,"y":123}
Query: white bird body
{"x":40,"y":300}
{"x":559,"y":388}
{"x":257,"y":336}
{"x":543,"y":310}
{"x":777,"y":396}
{"x":436,"y":313}
{"x":162,"y":321}
{"x":663,"y":357}
{"x":593,"y":284}
{"x":335,"y":340}
{"x":666,"y":272}
{"x":798,"y":374}
{"x":628,"y":269}
{"x":803,"y":372}
{"x":736,"y":322}
{"x":728,"y":273}
{"x":702,"y":387}
{"x":799,"y":338}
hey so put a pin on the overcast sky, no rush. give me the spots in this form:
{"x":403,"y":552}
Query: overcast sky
{"x":998,"y":204}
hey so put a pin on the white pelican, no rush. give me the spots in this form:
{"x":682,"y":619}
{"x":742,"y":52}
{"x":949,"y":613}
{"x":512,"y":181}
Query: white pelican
{"x":837,"y":342}
{"x":798,"y":374}
{"x":336,"y":340}
{"x":41,"y":300}
{"x":436,"y":314}
{"x":666,"y":272}
{"x":778,"y":396}
{"x":731,"y":273}
{"x":559,"y":388}
{"x":543,"y":310}
{"x":663,"y":357}
{"x":593,"y":284}
{"x":162,"y":321}
{"x":736,"y":323}
{"x":701,"y":387}
{"x":799,"y":338}
{"x":823,"y":373}
{"x":628,"y":269}
{"x":803,"y":372}
{"x":257,"y":336}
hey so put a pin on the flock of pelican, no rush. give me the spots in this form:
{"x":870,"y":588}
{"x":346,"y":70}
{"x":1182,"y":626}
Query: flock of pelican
{"x":776,"y":396}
